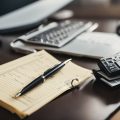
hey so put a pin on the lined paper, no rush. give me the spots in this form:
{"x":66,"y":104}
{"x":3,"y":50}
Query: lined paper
{"x":17,"y":74}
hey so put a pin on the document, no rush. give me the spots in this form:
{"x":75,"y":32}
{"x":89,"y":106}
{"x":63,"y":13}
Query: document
{"x":18,"y":73}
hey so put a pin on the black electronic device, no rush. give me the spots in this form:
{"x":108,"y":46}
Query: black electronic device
{"x":110,"y":65}
{"x":110,"y":81}
{"x":109,"y":72}
{"x":19,"y":15}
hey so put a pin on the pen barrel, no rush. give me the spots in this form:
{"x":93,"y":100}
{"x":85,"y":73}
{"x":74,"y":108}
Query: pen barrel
{"x":41,"y":78}
{"x":33,"y":84}
{"x":53,"y":70}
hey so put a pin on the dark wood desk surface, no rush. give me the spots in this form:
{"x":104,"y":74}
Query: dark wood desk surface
{"x":93,"y":102}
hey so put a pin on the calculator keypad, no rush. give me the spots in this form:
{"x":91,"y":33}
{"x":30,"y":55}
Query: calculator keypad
{"x":110,"y":65}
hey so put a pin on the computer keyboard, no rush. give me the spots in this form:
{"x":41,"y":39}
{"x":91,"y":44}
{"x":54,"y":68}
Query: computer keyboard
{"x":57,"y":34}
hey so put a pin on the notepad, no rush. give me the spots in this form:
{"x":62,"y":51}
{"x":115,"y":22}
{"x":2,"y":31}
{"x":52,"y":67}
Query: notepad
{"x":18,"y":73}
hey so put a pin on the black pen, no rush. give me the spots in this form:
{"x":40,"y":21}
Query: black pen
{"x":41,"y":78}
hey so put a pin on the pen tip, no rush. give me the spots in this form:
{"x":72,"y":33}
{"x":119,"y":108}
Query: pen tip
{"x":18,"y":94}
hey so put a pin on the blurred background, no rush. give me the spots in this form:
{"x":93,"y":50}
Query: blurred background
{"x":82,"y":8}
{"x":96,"y":8}
{"x":9,"y":5}
{"x":105,"y":12}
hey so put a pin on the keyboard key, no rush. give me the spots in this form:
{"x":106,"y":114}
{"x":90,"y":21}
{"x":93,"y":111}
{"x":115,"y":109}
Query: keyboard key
{"x":60,"y":34}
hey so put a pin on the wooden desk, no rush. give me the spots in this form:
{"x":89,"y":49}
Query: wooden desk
{"x":94,"y":102}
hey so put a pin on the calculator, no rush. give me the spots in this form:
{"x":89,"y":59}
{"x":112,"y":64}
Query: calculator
{"x":110,"y":65}
{"x":56,"y":34}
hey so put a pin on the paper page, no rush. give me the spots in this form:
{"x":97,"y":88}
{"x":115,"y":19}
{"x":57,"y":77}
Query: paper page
{"x":17,"y":74}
